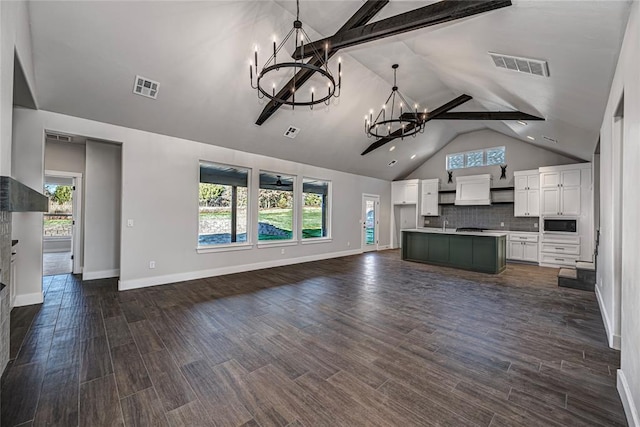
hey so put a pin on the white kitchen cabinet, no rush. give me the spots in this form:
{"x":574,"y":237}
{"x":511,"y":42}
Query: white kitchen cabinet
{"x":526,"y":194}
{"x":404,"y":192}
{"x":523,"y":247}
{"x":429,"y":197}
{"x":560,"y":192}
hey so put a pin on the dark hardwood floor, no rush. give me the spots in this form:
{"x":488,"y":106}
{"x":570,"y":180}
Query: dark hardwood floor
{"x":363,"y":340}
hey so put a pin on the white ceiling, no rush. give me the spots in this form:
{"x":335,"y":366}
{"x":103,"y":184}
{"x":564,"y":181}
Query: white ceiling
{"x":86,"y":55}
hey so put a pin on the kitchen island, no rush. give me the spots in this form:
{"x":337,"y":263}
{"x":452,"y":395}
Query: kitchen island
{"x":485,"y":252}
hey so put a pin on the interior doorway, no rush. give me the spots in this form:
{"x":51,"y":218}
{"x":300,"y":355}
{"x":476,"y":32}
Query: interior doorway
{"x":370,"y":222}
{"x":62,"y":225}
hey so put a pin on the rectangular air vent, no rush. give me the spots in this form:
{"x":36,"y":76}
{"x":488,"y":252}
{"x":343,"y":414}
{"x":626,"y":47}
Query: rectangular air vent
{"x":523,"y":65}
{"x":546,"y":138}
{"x":292,"y":132}
{"x":146,"y":87}
{"x":58,"y":137}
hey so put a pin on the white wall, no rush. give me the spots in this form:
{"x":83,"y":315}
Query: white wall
{"x":519,"y":156}
{"x":15,"y":39}
{"x":160,"y":177}
{"x":102,"y":186}
{"x":64,"y":156}
{"x":28,"y":167}
{"x":626,"y":305}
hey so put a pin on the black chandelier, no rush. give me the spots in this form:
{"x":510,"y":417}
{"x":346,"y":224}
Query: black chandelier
{"x":271,"y":66}
{"x":400,"y":126}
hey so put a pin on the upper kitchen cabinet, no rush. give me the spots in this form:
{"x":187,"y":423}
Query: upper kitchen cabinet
{"x":561,"y":189}
{"x":429,"y":197}
{"x":526,"y":193}
{"x":405,"y":192}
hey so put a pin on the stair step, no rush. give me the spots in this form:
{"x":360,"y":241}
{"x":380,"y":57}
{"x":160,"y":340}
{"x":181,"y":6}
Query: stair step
{"x":582,"y":265}
{"x":568,"y":273}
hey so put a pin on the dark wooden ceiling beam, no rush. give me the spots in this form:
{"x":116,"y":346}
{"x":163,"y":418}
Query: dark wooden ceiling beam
{"x":366,"y":12}
{"x":430,"y":116}
{"x":433,"y":14}
{"x":480,"y":115}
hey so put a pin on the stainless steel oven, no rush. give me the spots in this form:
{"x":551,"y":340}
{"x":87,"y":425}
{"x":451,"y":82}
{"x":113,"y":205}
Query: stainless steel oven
{"x":560,"y":225}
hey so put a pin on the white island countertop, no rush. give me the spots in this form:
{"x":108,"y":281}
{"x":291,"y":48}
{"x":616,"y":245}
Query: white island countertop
{"x":459,"y":233}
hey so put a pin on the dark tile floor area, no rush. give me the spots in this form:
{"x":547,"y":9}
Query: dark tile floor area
{"x":364,"y":340}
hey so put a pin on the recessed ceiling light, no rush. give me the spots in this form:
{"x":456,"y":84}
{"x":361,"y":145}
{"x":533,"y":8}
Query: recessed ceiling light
{"x":530,"y":137}
{"x":393,"y":147}
{"x":520,"y":122}
{"x":413,"y":157}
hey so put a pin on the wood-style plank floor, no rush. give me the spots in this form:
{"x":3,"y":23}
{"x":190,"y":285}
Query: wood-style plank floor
{"x":364,"y":340}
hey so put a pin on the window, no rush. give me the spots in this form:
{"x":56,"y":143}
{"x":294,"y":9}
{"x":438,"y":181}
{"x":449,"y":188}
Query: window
{"x":478,"y":158}
{"x":455,"y":161}
{"x":496,"y":156}
{"x":222,"y":201}
{"x":275,"y":207}
{"x":474,"y":159}
{"x":315,"y":208}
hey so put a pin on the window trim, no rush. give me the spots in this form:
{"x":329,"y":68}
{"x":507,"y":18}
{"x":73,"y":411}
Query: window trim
{"x":466,"y":153}
{"x":223,"y":247}
{"x":329,"y":236}
{"x":294,"y":214}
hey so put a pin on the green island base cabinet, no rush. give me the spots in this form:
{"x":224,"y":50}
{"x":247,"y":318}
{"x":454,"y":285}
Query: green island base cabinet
{"x":482,"y":252}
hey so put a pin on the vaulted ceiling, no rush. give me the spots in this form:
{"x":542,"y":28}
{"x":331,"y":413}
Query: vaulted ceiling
{"x":86,"y":55}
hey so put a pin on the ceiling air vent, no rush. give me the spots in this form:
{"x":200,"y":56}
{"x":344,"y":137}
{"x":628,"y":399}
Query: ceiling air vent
{"x":546,"y":138}
{"x":292,"y":132}
{"x":523,"y":65}
{"x":58,"y":137}
{"x":145,"y":87}
{"x":392,"y":162}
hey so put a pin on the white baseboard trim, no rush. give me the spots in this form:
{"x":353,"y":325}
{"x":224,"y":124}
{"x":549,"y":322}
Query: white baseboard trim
{"x":28,"y":299}
{"x":628,"y":403}
{"x":103,"y":274}
{"x":383,"y":247}
{"x":124,"y":285}
{"x":613,"y":339}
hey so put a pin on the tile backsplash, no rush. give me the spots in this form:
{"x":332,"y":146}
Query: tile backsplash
{"x":488,"y":217}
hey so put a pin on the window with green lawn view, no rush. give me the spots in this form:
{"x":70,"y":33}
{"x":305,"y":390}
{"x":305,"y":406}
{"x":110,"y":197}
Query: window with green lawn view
{"x":315,"y":208}
{"x":222,"y":200}
{"x":275,"y":207}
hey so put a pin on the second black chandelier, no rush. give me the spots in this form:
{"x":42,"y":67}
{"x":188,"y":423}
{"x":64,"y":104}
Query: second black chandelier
{"x":387,"y":124}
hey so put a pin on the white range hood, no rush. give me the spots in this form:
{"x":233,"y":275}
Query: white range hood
{"x":473,"y":190}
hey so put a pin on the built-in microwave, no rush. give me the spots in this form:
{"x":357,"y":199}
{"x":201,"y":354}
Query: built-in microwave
{"x":560,"y":225}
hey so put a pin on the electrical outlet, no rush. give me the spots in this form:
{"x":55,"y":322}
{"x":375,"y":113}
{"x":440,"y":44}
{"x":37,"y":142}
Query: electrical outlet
{"x":348,"y":244}
{"x":502,"y":224}
{"x":129,"y":223}
{"x":282,"y":251}
{"x":152,"y":264}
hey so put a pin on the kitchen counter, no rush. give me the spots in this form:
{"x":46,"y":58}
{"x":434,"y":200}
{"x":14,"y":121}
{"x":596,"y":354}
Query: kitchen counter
{"x":459,"y":233}
{"x":484,"y":252}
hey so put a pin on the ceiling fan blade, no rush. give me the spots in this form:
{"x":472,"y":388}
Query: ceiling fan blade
{"x":422,"y":119}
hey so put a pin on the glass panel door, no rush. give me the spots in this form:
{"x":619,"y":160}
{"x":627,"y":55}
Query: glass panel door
{"x":370,"y":206}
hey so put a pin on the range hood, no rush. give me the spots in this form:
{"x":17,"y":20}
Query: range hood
{"x":17,"y":197}
{"x":473,"y":190}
